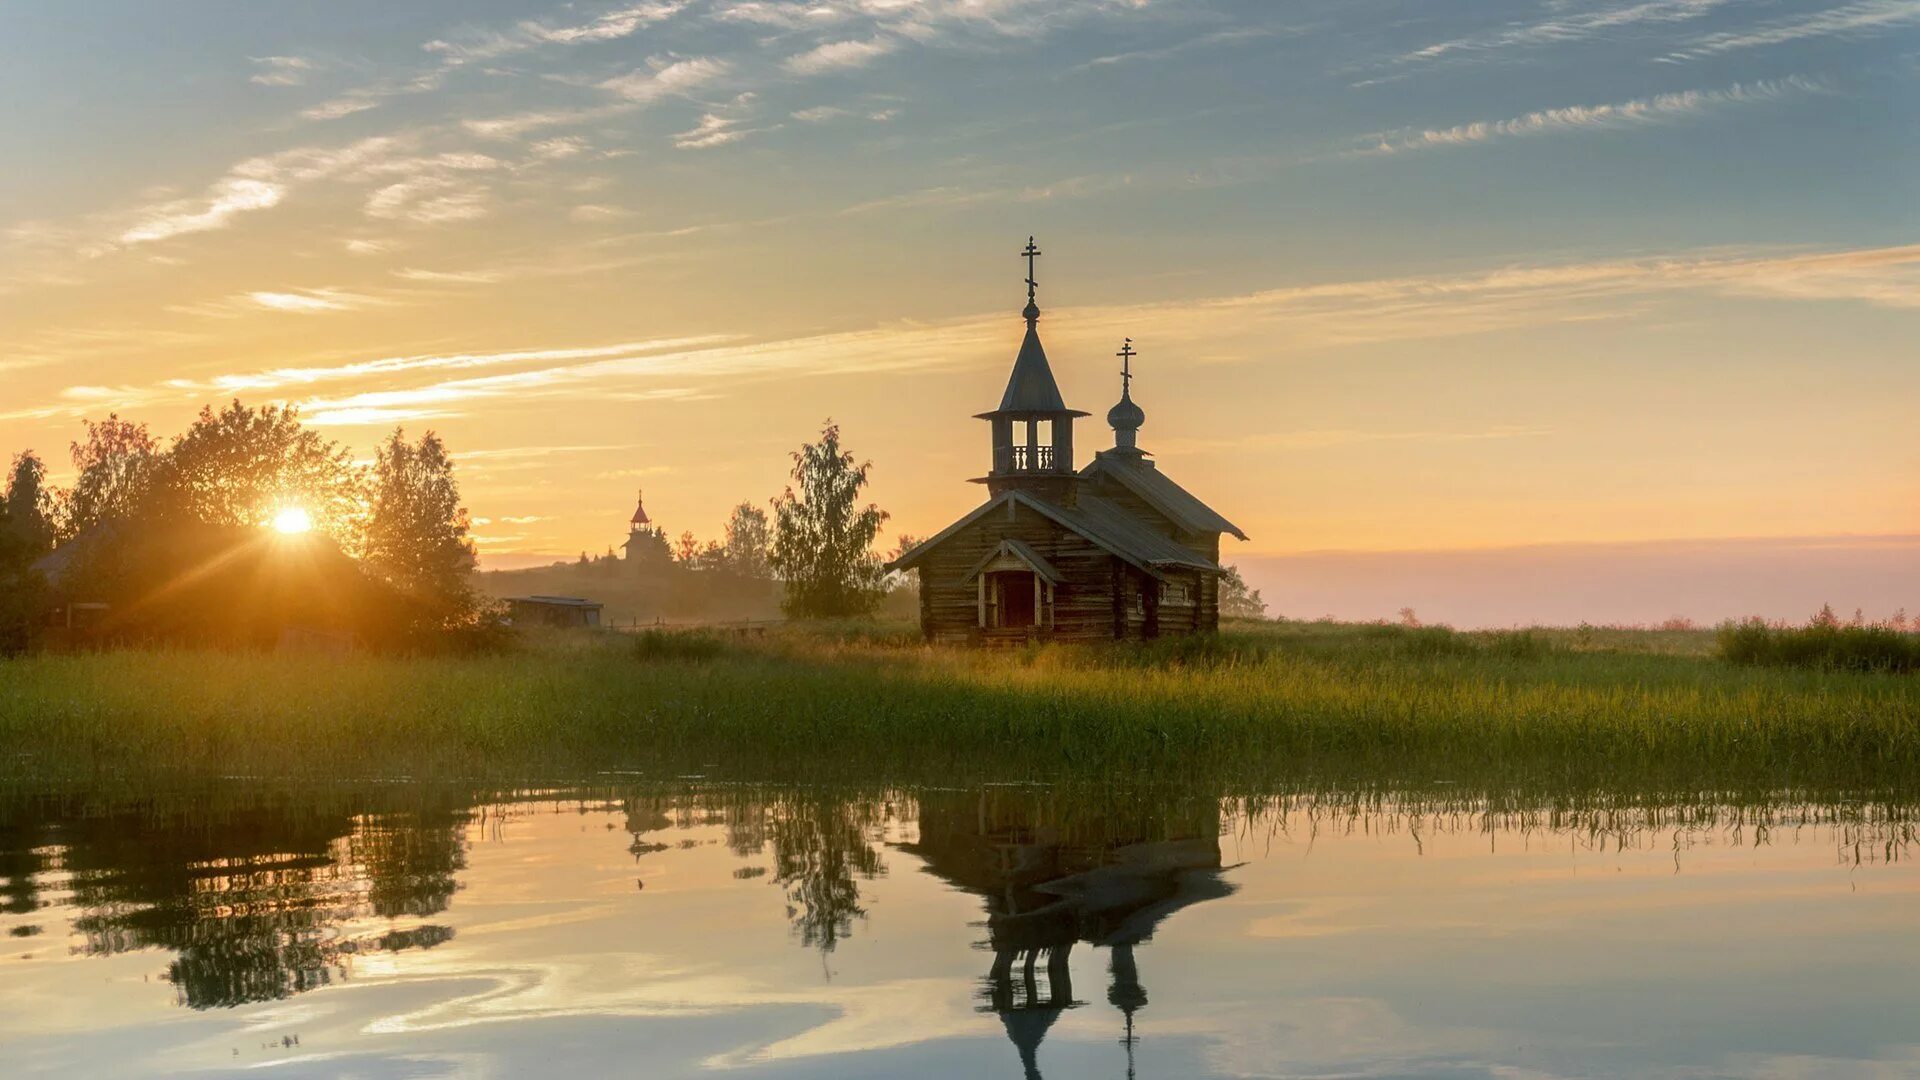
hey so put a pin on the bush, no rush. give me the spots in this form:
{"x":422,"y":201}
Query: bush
{"x":1821,"y":644}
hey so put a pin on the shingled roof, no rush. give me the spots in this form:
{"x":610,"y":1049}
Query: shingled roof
{"x":1138,"y":475}
{"x":1106,"y":524}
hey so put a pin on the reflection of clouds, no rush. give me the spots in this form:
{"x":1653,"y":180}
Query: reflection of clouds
{"x":864,"y":1018}
{"x":1345,"y":1036}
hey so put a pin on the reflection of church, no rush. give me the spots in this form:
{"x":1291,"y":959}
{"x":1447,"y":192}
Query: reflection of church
{"x":1051,"y":884}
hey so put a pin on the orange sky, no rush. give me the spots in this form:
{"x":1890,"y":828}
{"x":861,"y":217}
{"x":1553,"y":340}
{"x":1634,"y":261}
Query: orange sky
{"x":1513,"y":291}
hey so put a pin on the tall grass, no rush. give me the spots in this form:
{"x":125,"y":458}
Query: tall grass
{"x":1243,"y":708}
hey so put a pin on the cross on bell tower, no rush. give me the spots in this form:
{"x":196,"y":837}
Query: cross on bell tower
{"x":1125,"y":417}
{"x":1032,"y":252}
{"x":1032,"y":428}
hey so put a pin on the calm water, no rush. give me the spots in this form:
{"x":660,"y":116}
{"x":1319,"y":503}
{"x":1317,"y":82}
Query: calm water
{"x":1006,"y":931}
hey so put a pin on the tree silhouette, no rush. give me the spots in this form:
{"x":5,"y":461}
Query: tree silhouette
{"x":116,"y":466}
{"x":823,"y":540}
{"x":417,"y":530}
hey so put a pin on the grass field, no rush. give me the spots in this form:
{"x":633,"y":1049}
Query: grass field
{"x":1570,"y":708}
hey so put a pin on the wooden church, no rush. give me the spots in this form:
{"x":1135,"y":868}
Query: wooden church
{"x":1112,"y":551}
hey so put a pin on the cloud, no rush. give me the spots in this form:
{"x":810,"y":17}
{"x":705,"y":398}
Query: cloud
{"x":289,"y":302}
{"x":1204,"y":41}
{"x":228,"y":199}
{"x":555,"y":149}
{"x":280,"y":70}
{"x":517,"y":124}
{"x":1263,"y":323}
{"x":839,"y":56}
{"x":1848,"y":20}
{"x":429,"y":200}
{"x":448,"y":277}
{"x":255,"y":184}
{"x":588,"y":213}
{"x":1651,"y":110}
{"x":338,"y":107}
{"x":1321,"y":439}
{"x":621,"y":22}
{"x":1569,"y":27}
{"x":664,"y":77}
{"x":820,"y":114}
{"x":306,"y":302}
{"x":954,"y":195}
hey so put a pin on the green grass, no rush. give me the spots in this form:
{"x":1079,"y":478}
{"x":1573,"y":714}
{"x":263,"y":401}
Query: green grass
{"x":1550,"y":708}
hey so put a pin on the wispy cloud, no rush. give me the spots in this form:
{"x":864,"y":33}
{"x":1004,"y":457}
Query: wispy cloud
{"x":231,"y":197}
{"x":721,"y":126}
{"x":1286,"y":320}
{"x":255,"y":184}
{"x":1204,"y":41}
{"x":1858,"y":19}
{"x":338,"y":107}
{"x":1574,"y":26}
{"x":666,"y":76}
{"x":839,"y":56}
{"x":281,"y":70}
{"x":307,"y":302}
{"x":1573,"y":118}
{"x":1328,"y":438}
{"x":481,"y":44}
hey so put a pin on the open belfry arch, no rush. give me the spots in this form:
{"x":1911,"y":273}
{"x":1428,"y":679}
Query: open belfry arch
{"x":1111,"y":551}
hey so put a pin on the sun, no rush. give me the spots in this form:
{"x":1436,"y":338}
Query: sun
{"x":292,"y":519}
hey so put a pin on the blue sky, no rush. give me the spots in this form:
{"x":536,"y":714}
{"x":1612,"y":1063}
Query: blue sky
{"x":1405,"y":276}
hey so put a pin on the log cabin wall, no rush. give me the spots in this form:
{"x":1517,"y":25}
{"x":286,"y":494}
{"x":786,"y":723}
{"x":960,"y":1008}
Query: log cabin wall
{"x":1082,"y":602}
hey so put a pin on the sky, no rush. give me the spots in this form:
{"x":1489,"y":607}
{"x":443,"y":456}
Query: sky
{"x":1561,"y":286}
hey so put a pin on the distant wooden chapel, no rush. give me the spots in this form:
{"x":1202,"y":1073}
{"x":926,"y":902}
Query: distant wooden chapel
{"x":1112,"y":551}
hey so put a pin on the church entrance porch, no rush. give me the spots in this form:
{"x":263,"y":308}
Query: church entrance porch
{"x":1014,"y":594}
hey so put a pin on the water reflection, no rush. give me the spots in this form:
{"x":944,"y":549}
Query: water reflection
{"x":255,"y":902}
{"x":1050,"y":884}
{"x":252,"y":895}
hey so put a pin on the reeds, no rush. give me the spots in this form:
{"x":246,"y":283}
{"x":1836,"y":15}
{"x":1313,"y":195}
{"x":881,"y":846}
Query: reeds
{"x":1415,"y":704}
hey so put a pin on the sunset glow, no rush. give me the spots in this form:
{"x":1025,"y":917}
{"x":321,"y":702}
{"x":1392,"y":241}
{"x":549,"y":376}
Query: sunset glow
{"x":1413,"y":280}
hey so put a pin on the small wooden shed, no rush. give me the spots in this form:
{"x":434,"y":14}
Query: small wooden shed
{"x":565,"y":612}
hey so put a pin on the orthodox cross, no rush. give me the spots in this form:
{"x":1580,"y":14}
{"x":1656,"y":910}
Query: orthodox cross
{"x":1031,"y":252}
{"x":1126,"y":355}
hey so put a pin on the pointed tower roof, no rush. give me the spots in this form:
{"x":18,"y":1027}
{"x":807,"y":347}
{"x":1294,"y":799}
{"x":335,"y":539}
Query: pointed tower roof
{"x":1031,"y":389}
{"x":640,"y":510}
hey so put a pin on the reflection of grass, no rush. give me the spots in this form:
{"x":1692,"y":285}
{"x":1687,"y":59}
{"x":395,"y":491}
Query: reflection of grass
{"x":1566,"y":707}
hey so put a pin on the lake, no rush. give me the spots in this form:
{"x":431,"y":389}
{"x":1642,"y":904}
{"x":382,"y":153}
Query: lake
{"x":692,"y":928}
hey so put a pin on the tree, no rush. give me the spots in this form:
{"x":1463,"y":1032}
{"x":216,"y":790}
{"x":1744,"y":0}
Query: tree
{"x":28,"y":509}
{"x":239,"y":466}
{"x":116,"y":466}
{"x":823,"y":540}
{"x":1236,"y":600}
{"x":748,"y":538}
{"x":26,"y":534}
{"x":417,"y":530}
{"x":686,"y":550}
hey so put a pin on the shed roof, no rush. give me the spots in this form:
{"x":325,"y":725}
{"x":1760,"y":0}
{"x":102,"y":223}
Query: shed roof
{"x":555,"y":601}
{"x":1138,"y":475}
